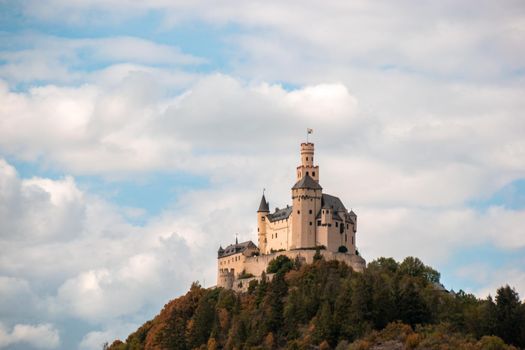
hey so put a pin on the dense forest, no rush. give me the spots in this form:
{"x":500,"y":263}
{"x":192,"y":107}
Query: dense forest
{"x":326,"y":305}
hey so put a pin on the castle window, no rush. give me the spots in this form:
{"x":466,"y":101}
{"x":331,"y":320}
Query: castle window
{"x":257,"y":229}
{"x":329,"y":225}
{"x":346,"y":238}
{"x":310,"y":223}
{"x":313,"y":173}
{"x":276,"y":235}
{"x":298,"y":212}
{"x":336,"y":224}
{"x":310,"y":211}
{"x":307,"y":171}
{"x":347,"y":226}
{"x":318,"y":222}
{"x":307,"y":159}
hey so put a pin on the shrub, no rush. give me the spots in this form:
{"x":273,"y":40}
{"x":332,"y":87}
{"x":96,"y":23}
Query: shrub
{"x":243,"y":275}
{"x":490,"y":342}
{"x":342,"y":249}
{"x":280,"y":264}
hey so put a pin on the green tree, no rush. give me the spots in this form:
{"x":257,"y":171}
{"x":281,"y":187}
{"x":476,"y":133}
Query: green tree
{"x":508,"y":315}
{"x":274,"y":303}
{"x":202,"y":321}
{"x":412,"y":307}
{"x":414,"y":267}
{"x":281,"y":264}
{"x":325,"y":327}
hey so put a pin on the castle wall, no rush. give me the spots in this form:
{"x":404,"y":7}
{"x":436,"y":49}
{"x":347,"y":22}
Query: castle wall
{"x":234,"y":263}
{"x":257,"y":264}
{"x":278,"y":235}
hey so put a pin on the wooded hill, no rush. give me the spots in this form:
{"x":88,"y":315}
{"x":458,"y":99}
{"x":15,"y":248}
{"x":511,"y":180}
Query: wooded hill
{"x":390,"y":305}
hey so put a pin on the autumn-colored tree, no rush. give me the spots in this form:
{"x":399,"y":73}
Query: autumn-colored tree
{"x":326,"y":304}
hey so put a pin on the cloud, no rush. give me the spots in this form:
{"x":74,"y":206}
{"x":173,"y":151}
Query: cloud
{"x":38,"y":209}
{"x":47,"y":58}
{"x":41,"y":336}
{"x":99,"y":271}
{"x":282,"y":41}
{"x":415,"y":110}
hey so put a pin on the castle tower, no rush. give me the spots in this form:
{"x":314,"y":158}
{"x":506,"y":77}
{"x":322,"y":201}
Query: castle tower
{"x":262,"y":212}
{"x":307,"y":162}
{"x":306,"y":197}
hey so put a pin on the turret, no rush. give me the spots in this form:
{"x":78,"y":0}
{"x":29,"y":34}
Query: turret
{"x":353,"y":216}
{"x":262,"y":212}
{"x":307,"y":166}
{"x":327,"y":213}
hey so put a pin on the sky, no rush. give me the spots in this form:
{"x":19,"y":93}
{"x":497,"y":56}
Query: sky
{"x":136,"y":137}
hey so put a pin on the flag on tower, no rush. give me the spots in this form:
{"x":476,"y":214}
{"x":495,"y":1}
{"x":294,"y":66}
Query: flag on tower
{"x":308,"y":130}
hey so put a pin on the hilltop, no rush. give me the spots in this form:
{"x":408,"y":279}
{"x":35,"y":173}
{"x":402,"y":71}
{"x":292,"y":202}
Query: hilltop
{"x":326,"y":304}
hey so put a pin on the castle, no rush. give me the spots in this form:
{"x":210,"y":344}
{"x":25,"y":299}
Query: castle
{"x":315,"y":221}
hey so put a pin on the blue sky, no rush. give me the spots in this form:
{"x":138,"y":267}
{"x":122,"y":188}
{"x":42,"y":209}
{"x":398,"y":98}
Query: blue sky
{"x":135,"y":138}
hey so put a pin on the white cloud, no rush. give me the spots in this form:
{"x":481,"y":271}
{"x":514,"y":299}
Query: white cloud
{"x":415,"y":110}
{"x":38,"y":209}
{"x":41,"y":336}
{"x":437,"y":234}
{"x":98,"y":270}
{"x":491,"y":278}
{"x":49,"y":58}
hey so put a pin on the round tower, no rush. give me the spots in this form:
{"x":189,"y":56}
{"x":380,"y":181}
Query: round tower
{"x":262,"y":213}
{"x":307,"y":166}
{"x":306,"y":197}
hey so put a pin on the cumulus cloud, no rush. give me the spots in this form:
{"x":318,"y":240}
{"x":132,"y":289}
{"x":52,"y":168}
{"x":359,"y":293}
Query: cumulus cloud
{"x":415,"y":110}
{"x":41,"y":336}
{"x":96,"y":267}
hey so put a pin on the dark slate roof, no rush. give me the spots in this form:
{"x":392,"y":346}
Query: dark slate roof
{"x":307,"y":182}
{"x":334,"y":203}
{"x":280,"y":214}
{"x":236,"y":248}
{"x":263,"y":207}
{"x":329,"y":201}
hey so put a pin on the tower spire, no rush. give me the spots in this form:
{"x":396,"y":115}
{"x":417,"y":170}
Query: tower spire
{"x":264,"y":207}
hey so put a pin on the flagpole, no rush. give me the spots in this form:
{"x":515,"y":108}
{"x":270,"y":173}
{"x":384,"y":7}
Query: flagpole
{"x":308,"y":131}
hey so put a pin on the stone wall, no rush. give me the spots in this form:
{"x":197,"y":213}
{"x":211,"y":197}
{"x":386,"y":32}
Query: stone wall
{"x":255,"y":265}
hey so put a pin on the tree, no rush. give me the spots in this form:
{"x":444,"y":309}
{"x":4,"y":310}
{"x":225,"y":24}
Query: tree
{"x":342,"y":249}
{"x":325,"y":328}
{"x":412,"y":307}
{"x":202,"y":320}
{"x":414,"y":267}
{"x":281,"y":264}
{"x":508,"y":315}
{"x":274,"y":303}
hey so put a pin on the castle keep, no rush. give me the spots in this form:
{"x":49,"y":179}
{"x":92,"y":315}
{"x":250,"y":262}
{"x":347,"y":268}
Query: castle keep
{"x":315,"y":220}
